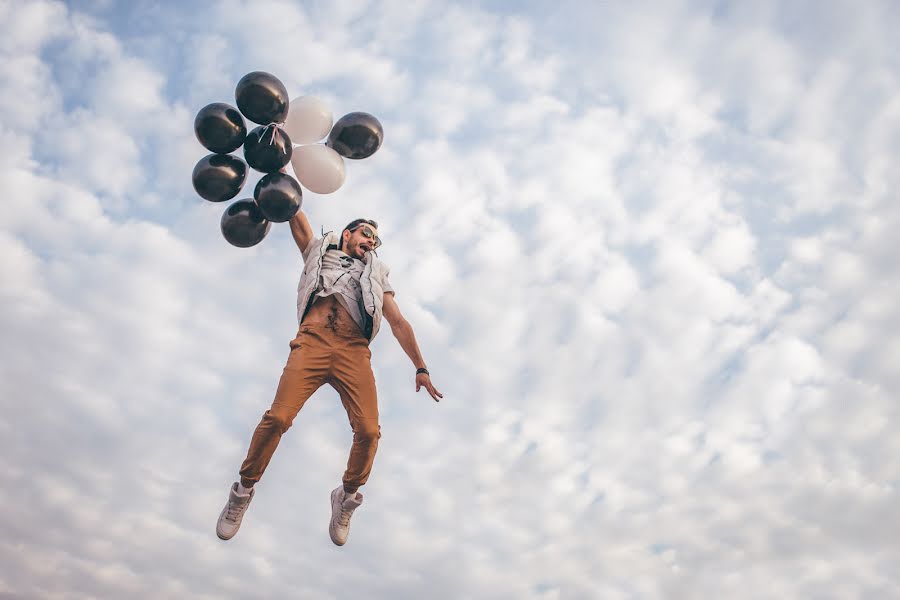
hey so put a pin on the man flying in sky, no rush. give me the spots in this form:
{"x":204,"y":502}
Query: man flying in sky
{"x":341,"y":298}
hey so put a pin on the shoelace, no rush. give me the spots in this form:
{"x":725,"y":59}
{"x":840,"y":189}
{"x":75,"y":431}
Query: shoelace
{"x":344,"y":519}
{"x":234,"y":510}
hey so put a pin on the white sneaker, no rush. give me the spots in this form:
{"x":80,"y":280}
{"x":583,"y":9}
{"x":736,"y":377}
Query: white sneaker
{"x":230,"y":519}
{"x":342,"y":507}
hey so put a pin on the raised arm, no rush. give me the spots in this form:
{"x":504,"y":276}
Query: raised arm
{"x":403,"y":331}
{"x":301,"y":230}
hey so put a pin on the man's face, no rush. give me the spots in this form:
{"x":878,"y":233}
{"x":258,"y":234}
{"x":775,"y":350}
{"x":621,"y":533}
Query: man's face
{"x":360,"y":240}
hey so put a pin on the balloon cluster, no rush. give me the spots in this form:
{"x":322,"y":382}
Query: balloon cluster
{"x":289,"y":131}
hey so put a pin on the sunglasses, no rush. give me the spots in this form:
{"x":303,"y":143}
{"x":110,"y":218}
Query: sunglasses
{"x":369,"y":234}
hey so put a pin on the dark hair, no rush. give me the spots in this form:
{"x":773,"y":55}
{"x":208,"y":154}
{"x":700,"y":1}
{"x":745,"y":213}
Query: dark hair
{"x":353,"y":225}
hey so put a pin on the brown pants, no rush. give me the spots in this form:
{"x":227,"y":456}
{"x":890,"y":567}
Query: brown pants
{"x":338,"y":355}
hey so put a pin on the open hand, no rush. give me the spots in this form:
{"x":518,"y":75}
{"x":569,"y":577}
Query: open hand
{"x":424,"y":380}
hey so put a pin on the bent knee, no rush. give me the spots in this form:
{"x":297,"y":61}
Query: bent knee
{"x":281,"y":422}
{"x":367,"y":430}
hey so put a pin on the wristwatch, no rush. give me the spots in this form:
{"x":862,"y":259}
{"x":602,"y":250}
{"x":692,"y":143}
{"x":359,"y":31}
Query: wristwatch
{"x":423,"y":370}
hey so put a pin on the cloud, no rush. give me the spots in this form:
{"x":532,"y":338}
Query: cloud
{"x":647,"y":254}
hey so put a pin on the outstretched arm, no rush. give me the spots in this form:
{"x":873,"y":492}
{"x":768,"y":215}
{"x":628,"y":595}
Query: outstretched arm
{"x":403,"y":331}
{"x":301,"y":230}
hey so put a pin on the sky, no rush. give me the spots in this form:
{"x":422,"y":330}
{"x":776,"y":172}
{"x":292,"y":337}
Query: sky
{"x":645,"y":248}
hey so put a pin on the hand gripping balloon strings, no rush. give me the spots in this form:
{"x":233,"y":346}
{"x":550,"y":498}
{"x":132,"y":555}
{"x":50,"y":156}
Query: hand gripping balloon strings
{"x":274,"y":127}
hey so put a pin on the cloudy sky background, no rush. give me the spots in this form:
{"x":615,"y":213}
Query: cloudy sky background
{"x":649,"y":250}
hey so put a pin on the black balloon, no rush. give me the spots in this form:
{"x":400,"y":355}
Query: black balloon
{"x":243,"y":224}
{"x":262,"y":98}
{"x":266,"y":154}
{"x":356,"y":135}
{"x":219,"y":177}
{"x":220,"y":128}
{"x":278,"y":196}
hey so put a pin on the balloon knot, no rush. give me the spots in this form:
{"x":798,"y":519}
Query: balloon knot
{"x":274,"y":126}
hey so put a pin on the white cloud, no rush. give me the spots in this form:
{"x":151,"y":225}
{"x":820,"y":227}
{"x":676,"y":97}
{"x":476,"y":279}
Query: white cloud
{"x":28,"y":95}
{"x":97,"y":151}
{"x":127,"y":88}
{"x":648,"y":256}
{"x":30,"y":25}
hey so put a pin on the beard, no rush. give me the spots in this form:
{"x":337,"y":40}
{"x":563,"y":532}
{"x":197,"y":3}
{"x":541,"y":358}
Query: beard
{"x":357,"y":251}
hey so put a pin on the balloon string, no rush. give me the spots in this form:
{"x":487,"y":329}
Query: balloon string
{"x":274,"y":127}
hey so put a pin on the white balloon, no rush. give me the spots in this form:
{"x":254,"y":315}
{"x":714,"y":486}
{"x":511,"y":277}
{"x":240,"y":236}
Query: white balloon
{"x":309,"y":120}
{"x":319,"y":168}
